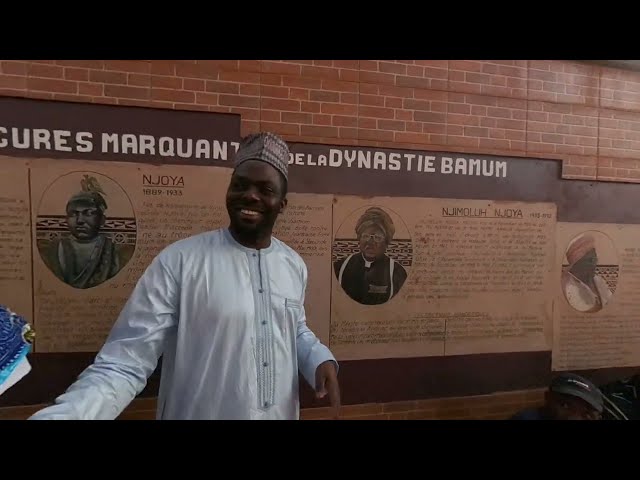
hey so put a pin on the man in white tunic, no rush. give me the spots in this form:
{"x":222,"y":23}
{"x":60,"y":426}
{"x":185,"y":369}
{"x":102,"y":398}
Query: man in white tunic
{"x":224,"y":309}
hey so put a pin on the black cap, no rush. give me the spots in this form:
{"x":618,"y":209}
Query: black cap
{"x":577,"y":386}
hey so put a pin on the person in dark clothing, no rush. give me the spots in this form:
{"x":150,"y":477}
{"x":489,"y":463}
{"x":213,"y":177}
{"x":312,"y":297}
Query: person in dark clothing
{"x":570,"y":397}
{"x":369,"y":276}
{"x":621,"y":399}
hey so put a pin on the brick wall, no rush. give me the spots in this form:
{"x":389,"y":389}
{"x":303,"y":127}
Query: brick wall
{"x":587,"y":116}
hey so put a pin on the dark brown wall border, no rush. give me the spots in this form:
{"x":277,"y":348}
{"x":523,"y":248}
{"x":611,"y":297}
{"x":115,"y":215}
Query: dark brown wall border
{"x":527,"y":180}
{"x":363,"y":381}
{"x":97,"y":120}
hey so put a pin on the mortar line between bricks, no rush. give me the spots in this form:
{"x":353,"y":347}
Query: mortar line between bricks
{"x":598,"y":124}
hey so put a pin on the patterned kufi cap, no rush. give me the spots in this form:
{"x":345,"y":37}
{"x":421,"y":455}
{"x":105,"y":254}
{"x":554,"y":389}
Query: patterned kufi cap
{"x":266,"y":147}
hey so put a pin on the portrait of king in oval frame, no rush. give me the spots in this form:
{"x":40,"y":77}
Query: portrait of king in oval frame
{"x":590,"y":271}
{"x":86,"y":229}
{"x":372,"y":255}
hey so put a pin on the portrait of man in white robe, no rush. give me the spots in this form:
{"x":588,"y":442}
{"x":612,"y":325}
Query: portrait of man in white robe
{"x":585,"y":290}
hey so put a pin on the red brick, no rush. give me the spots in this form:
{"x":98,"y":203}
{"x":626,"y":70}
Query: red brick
{"x":410,"y":137}
{"x":250,"y":90}
{"x":42,"y":95}
{"x":565,"y":129}
{"x":161,"y":81}
{"x":491,"y":77}
{"x":430,"y":117}
{"x":392,"y":91}
{"x":270,"y":115}
{"x":411,"y":104}
{"x":563,"y":82}
{"x":369,"y":65}
{"x":318,"y":119}
{"x":269,"y":79}
{"x":585,"y":161}
{"x":250,"y":65}
{"x":443,"y":64}
{"x":392,"y":102}
{"x":318,"y":131}
{"x":10,"y":67}
{"x":274,"y":92}
{"x":377,"y":112}
{"x":93,"y":64}
{"x":372,"y":100}
{"x":137,"y":66}
{"x":65,"y":97}
{"x":45,"y":71}
{"x":324,"y":96}
{"x":349,"y":75}
{"x":47,"y":85}
{"x":239,"y":77}
{"x":203,"y":98}
{"x":248,"y":127}
{"x":280,"y":104}
{"x":392,"y":67}
{"x":618,"y":134}
{"x":165,"y":105}
{"x":340,"y":86}
{"x":134,"y":103}
{"x":300,"y":82}
{"x":418,"y":82}
{"x":225,"y":65}
{"x":281,"y":68}
{"x":297,"y":94}
{"x":349,"y":64}
{"x":239,"y":101}
{"x":414,"y":71}
{"x":396,"y":125}
{"x":247,"y":113}
{"x":377,"y":135}
{"x":78,"y":74}
{"x":280,"y":128}
{"x":465,"y":65}
{"x":321,"y":72}
{"x":377,"y":78}
{"x":214,"y":86}
{"x":13,"y":82}
{"x":404,"y":114}
{"x":620,"y":89}
{"x":192,"y":84}
{"x":311,"y":107}
{"x":93,"y":89}
{"x":339,"y":109}
{"x":340,"y":121}
{"x":291,"y":117}
{"x":120,"y":91}
{"x":569,"y":171}
{"x":113,"y":78}
{"x":162,"y":67}
{"x":139,"y":79}
{"x":185,"y":68}
{"x":169,"y":95}
{"x":367,"y":123}
{"x":349,"y":133}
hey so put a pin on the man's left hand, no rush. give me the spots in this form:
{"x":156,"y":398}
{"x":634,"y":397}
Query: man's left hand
{"x":327,"y":382}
